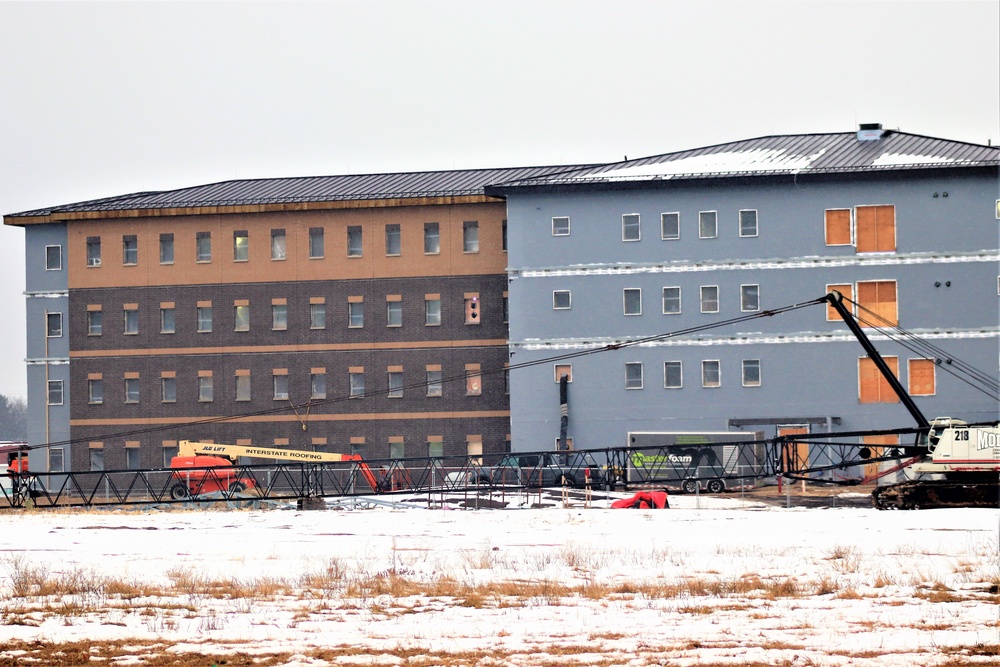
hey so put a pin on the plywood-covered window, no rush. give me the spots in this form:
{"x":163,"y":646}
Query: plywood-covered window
{"x":875,"y":228}
{"x":847,"y":291}
{"x":838,"y":226}
{"x":872,"y":387}
{"x":877,"y":301}
{"x":921,"y":373}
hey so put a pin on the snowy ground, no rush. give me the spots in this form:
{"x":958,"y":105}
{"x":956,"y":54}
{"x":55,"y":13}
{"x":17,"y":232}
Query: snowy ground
{"x":712,"y":581}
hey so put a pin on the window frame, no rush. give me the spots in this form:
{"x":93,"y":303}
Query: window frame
{"x":911,"y":388}
{"x":434,"y":383}
{"x":429,"y":312}
{"x":131,"y":318}
{"x":702,"y":300}
{"x":206,"y":389}
{"x":280,"y":387}
{"x":53,"y":317}
{"x":279,"y":317}
{"x":395,"y":384}
{"x":356,"y":383}
{"x":95,"y":322}
{"x":756,"y":228}
{"x":203,"y":247}
{"x":51,"y":265}
{"x":317,"y":386}
{"x":631,"y":381}
{"x":559,"y":229}
{"x":663,"y":300}
{"x":628,"y":225}
{"x":130,"y":246}
{"x":470,"y":236}
{"x":243,"y":388}
{"x":393,"y":314}
{"x":663,"y":229}
{"x":356,"y":311}
{"x":163,"y":320}
{"x":55,"y":389}
{"x":837,"y":226}
{"x":279,"y":245}
{"x":241,"y":251}
{"x":95,"y":391}
{"x":317,"y":243}
{"x":93,"y":248}
{"x":701,"y":224}
{"x":244,"y":324}
{"x":747,"y":364}
{"x":166,"y":248}
{"x":317,"y":313}
{"x":432,"y":238}
{"x":203,"y":316}
{"x":555,"y":299}
{"x":743,"y":298}
{"x":680,"y":374}
{"x":165,"y":395}
{"x":393,"y":240}
{"x":705,"y":365}
{"x":355,"y":241}
{"x":625,"y":292}
{"x":133,"y":391}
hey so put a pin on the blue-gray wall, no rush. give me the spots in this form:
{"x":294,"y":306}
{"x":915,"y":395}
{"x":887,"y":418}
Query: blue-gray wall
{"x":945,"y":267}
{"x":47,"y":357}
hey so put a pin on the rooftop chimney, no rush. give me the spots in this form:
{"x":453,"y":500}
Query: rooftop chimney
{"x":870,"y":131}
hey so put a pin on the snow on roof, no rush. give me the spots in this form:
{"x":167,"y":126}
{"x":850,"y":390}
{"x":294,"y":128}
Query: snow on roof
{"x":764,"y":159}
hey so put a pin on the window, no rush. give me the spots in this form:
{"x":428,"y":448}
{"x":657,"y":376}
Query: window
{"x":96,"y":460}
{"x":206,"y":392}
{"x":56,"y":462}
{"x":394,"y":313}
{"x":130,"y":250}
{"x":95,"y":391}
{"x":131,"y":390}
{"x":838,"y":226}
{"x":673,"y":375}
{"x":168,"y":454}
{"x":93,"y":251}
{"x":711,"y":374}
{"x":356,"y":314}
{"x":562,"y":299}
{"x":633,"y":301}
{"x":241,"y":317}
{"x":167,"y":320}
{"x":670,"y":226}
{"x":751,"y":372}
{"x":921,"y":377}
{"x":435,"y":446}
{"x":393,"y":242}
{"x":631,"y":230}
{"x":470,"y":236}
{"x":435,"y":382}
{"x":166,"y":248}
{"x":749,"y":298}
{"x":473,"y":380}
{"x":505,"y":307}
{"x":633,"y":375}
{"x":559,"y":370}
{"x":279,"y":316}
{"x":503,"y":234}
{"x":357,"y":383}
{"x":317,"y":384}
{"x":872,"y":387}
{"x":204,"y":319}
{"x":877,"y":303}
{"x":472,"y":309}
{"x":354,"y":244}
{"x":560,"y":226}
{"x":243,"y":386}
{"x":133,"y":458}
{"x":168,"y":389}
{"x":432,"y":310}
{"x":241,"y":245}
{"x":671,"y":300}
{"x":432,"y":238}
{"x":278,"y":250}
{"x":708,"y":224}
{"x":53,"y":325}
{"x":847,"y":291}
{"x":709,"y":299}
{"x":53,"y":258}
{"x":316,"y":243}
{"x":875,"y":228}
{"x":55,"y":392}
{"x":280,"y":386}
{"x":95,"y":323}
{"x":317,"y":315}
{"x":748,"y":222}
{"x":395,"y":384}
{"x":396,"y":447}
{"x":131,"y":321}
{"x":203,"y":247}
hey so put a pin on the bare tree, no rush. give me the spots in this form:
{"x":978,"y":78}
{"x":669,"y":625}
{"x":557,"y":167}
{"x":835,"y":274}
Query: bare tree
{"x":13,"y":418}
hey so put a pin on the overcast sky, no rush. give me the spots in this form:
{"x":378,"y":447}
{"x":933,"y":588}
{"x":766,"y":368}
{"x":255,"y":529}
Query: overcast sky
{"x":103,"y":99}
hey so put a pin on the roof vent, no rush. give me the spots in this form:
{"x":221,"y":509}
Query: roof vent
{"x":870,"y":131}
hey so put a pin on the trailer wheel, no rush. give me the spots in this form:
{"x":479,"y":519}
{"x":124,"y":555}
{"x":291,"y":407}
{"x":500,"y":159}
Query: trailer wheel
{"x":689,"y":486}
{"x":716,"y":486}
{"x":237,"y":487}
{"x":178,"y":491}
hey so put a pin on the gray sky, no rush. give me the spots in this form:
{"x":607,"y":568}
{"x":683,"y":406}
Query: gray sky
{"x":102,"y":99}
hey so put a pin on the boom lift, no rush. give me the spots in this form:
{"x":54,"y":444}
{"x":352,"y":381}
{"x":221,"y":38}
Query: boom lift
{"x":208,"y":467}
{"x":964,"y":459}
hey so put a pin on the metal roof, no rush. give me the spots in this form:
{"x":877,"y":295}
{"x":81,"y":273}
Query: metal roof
{"x":841,"y":152}
{"x":266,"y":191}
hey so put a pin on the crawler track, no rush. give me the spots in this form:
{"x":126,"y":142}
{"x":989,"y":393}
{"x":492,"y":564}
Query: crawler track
{"x":930,"y":494}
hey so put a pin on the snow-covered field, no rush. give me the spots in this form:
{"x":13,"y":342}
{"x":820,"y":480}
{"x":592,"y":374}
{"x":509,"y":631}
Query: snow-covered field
{"x":711,"y":581}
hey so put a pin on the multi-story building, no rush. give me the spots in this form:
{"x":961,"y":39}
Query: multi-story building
{"x":660,"y":248}
{"x":362,"y":314}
